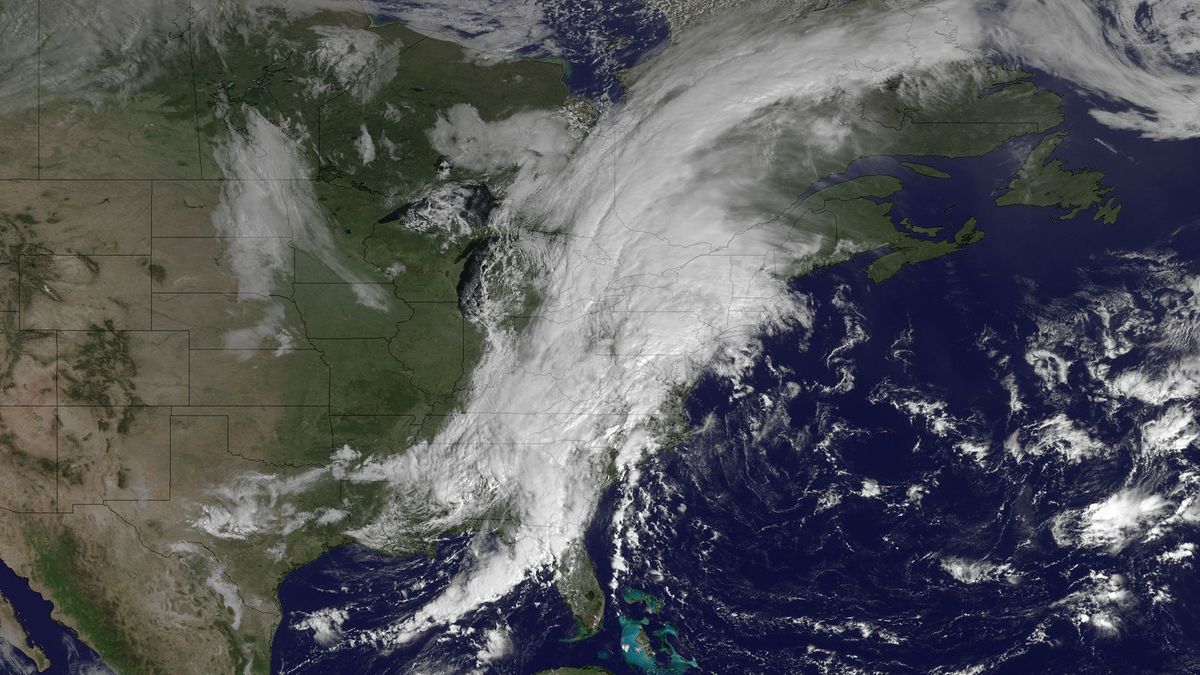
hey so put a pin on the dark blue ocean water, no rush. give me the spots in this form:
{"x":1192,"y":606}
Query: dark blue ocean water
{"x":781,"y":564}
{"x":595,"y":39}
{"x":600,"y":38}
{"x":765,"y":545}
{"x":67,"y":654}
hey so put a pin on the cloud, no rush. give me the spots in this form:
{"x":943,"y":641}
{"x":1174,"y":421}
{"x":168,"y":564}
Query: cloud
{"x":365,"y":146}
{"x":1144,"y":57}
{"x":1131,"y":513}
{"x":268,"y":206}
{"x":537,"y":140}
{"x":497,"y":645}
{"x":1103,"y":602}
{"x":270,"y":331}
{"x":661,"y":257}
{"x":1059,"y":435}
{"x":358,"y":60}
{"x":81,"y":39}
{"x":325,"y":624}
{"x":493,"y":28}
{"x":970,"y":571}
{"x":253,"y":503}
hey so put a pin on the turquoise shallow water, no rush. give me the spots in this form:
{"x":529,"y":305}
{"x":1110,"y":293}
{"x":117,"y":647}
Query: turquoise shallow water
{"x":768,"y":552}
{"x":645,"y":648}
{"x":822,"y":527}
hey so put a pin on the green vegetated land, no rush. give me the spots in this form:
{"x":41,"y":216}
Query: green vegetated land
{"x":925,"y":170}
{"x":986,"y":108}
{"x":1043,"y":181}
{"x":411,"y":360}
{"x":59,"y":568}
{"x":392,"y":375}
{"x":124,"y":307}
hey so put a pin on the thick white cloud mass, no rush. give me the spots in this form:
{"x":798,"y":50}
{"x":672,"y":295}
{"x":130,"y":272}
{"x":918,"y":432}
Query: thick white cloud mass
{"x":661,"y":253}
{"x":660,"y":265}
{"x":357,"y":58}
{"x":492,"y":28}
{"x":1142,"y":55}
{"x":534,"y":136}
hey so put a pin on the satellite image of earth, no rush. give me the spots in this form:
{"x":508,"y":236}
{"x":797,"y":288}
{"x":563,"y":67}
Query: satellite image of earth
{"x":599,"y":336}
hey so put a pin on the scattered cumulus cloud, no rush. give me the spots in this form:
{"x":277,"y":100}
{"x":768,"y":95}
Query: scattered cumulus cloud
{"x":650,"y":231}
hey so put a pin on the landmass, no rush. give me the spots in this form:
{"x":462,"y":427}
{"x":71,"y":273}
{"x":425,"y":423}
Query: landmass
{"x":1043,"y":181}
{"x":925,"y":170}
{"x":185,"y":354}
{"x":13,"y":633}
{"x":910,"y":250}
{"x":222,"y":287}
{"x":638,"y":650}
